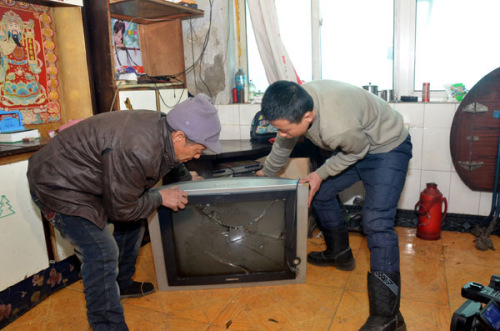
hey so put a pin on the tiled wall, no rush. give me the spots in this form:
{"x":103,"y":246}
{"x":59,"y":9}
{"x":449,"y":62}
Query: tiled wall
{"x":235,"y":120}
{"x":430,"y":125}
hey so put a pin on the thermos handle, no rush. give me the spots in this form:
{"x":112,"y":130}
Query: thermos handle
{"x":445,"y":208}
{"x":417,"y":205}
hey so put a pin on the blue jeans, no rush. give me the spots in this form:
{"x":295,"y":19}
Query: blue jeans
{"x":108,"y":263}
{"x":383,"y":176}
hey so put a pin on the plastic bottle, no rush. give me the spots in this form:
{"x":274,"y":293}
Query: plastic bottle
{"x":240,"y":79}
{"x":252,"y":90}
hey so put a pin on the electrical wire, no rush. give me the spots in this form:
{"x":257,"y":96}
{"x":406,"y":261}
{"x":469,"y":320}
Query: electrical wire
{"x":192,"y":52}
{"x":163,"y":101}
{"x":191,"y":67}
{"x":130,"y":60}
{"x":203,"y":50}
{"x":201,"y":56}
{"x":204,"y":47}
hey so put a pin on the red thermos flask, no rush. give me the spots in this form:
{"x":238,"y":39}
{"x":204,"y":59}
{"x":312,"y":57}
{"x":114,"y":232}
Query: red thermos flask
{"x":430,"y":215}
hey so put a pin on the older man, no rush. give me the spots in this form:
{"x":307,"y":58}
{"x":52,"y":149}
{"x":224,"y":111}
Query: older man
{"x":103,"y":170}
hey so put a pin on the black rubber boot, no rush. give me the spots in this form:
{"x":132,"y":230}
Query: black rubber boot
{"x":338,"y":253}
{"x":384,"y":292}
{"x":137,"y":289}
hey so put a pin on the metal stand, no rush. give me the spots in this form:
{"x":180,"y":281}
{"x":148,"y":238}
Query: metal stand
{"x":483,"y":242}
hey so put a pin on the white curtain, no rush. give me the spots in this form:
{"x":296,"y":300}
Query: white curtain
{"x":277,"y":63}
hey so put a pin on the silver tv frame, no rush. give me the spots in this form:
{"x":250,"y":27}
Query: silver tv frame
{"x":236,"y":185}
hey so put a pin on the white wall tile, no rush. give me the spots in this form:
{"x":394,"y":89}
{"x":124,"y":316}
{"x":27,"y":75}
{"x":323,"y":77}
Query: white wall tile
{"x":462,"y":200}
{"x":441,"y":178}
{"x":229,"y":114}
{"x":436,"y":150}
{"x":229,"y":132}
{"x":430,"y":130}
{"x":439,"y":115}
{"x":411,"y":192}
{"x":417,"y":137}
{"x":413,"y":113}
{"x":485,"y":203}
{"x":247,"y":113}
{"x":245,"y":131}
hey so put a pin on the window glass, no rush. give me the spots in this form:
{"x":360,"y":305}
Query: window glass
{"x":295,"y":28}
{"x":457,"y":41}
{"x":357,"y":41}
{"x":256,"y":72}
{"x":294,"y":18}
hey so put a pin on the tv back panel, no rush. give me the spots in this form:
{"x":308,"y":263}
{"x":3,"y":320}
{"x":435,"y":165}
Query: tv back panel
{"x":234,"y":232}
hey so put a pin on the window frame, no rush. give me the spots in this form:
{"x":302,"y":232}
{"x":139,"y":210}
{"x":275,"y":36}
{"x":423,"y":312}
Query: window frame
{"x":404,"y":49}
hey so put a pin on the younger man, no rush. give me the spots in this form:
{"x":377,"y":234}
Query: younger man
{"x":369,"y":143}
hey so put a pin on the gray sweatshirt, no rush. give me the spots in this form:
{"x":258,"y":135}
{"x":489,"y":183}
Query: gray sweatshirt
{"x":349,"y":120}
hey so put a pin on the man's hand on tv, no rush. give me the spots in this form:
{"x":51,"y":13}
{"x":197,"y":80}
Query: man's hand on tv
{"x":174,"y":198}
{"x":314,"y":183}
{"x":195,"y":176}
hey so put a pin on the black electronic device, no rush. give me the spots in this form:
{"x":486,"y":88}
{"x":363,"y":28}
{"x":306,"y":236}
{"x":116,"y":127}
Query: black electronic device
{"x":465,"y":317}
{"x":409,"y":98}
{"x":152,"y":79}
{"x":234,"y":232}
{"x":489,"y":316}
{"x":495,"y":282}
{"x":236,"y":168}
{"x":482,"y":309}
{"x":481,"y":293}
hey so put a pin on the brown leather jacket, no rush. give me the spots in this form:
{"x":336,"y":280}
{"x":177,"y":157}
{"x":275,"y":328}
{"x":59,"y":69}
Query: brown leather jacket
{"x":104,"y":167}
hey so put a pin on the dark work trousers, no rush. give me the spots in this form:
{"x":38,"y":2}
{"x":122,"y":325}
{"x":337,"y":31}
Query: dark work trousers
{"x":383,"y":176}
{"x":108,"y":263}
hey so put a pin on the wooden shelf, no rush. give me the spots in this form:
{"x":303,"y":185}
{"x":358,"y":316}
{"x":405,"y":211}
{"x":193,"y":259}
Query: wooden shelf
{"x":161,"y":38}
{"x":149,"y":11}
{"x":134,"y":86}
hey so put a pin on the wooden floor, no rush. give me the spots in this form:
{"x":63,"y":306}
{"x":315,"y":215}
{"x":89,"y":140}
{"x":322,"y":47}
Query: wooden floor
{"x":433,"y":273}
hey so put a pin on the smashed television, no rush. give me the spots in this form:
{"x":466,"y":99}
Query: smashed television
{"x":233,"y":232}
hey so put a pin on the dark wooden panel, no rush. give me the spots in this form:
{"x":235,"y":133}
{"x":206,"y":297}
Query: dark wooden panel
{"x":163,"y":48}
{"x":475,"y":133}
{"x":148,"y":11}
{"x":98,"y":25}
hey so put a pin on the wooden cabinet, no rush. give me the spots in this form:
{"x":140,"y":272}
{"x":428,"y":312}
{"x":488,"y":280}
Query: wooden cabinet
{"x":161,"y":42}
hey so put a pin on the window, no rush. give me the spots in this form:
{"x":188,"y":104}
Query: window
{"x":456,"y":41}
{"x":393,"y":44}
{"x":295,"y":29}
{"x":356,"y":45}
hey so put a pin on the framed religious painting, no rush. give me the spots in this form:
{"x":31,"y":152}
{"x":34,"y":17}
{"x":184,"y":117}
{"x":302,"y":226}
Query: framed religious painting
{"x":28,"y":74}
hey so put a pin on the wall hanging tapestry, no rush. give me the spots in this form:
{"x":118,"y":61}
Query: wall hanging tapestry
{"x":28,"y":72}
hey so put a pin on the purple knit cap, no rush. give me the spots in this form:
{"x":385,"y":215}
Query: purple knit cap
{"x":198,"y":119}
